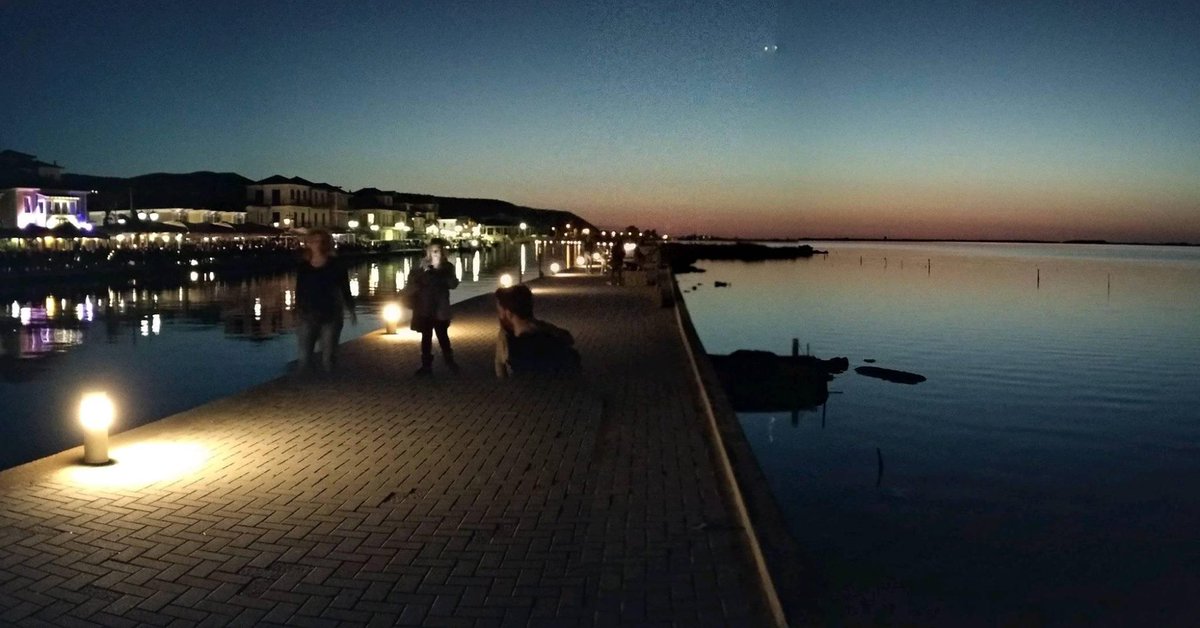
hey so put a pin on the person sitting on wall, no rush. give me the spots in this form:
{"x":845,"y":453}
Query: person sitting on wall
{"x":527,"y":345}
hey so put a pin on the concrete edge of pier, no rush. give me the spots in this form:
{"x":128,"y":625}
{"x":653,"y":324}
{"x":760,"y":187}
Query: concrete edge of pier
{"x":774,"y":550}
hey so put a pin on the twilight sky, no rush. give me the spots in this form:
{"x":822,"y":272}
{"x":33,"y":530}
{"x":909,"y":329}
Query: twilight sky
{"x":1005,"y":119}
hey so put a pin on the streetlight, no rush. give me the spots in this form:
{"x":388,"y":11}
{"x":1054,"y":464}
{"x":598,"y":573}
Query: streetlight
{"x":555,"y":267}
{"x":353,"y":224}
{"x":96,"y":415}
{"x":506,"y":280}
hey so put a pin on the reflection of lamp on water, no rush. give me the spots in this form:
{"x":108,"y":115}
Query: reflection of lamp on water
{"x":391,"y":317}
{"x":555,"y":267}
{"x":96,"y":414}
{"x":506,"y":280}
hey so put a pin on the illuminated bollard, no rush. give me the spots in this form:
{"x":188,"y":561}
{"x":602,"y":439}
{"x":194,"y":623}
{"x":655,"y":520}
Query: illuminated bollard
{"x":96,"y":414}
{"x":506,"y":280}
{"x":391,"y":317}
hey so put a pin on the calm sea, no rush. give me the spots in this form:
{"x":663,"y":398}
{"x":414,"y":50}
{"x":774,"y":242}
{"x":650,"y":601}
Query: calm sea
{"x":1048,"y":471}
{"x":162,"y":349}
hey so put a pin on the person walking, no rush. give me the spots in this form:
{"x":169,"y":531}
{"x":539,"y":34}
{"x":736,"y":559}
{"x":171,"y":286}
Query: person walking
{"x":322,"y":293}
{"x":428,"y":290}
{"x":618,"y":263}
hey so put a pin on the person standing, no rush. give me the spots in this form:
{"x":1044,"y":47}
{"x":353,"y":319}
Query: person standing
{"x":322,"y":293}
{"x":428,"y":287}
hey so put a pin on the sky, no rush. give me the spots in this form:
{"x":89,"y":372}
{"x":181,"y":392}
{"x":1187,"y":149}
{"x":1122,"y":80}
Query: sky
{"x":764,"y":118}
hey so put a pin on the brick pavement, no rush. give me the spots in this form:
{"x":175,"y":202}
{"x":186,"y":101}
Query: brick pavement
{"x":376,"y":498}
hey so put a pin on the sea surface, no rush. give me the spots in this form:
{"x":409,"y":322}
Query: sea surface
{"x":1048,"y":470}
{"x":164,"y":348}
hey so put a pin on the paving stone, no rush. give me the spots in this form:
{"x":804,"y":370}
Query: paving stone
{"x":372,"y":497}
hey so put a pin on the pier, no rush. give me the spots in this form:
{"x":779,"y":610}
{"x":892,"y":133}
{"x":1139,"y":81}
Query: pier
{"x":376,"y":498}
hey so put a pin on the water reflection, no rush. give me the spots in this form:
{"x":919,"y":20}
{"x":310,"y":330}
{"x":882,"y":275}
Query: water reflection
{"x":1058,"y":425}
{"x":38,"y":326}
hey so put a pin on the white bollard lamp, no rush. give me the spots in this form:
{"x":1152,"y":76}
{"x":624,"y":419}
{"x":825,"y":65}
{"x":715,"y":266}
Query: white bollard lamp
{"x":96,"y":415}
{"x":391,"y":317}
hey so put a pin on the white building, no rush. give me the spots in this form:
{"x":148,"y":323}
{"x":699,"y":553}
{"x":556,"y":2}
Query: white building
{"x":295,"y":203}
{"x":183,"y":215}
{"x":42,"y":207}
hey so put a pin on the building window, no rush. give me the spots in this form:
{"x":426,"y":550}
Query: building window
{"x":274,"y":197}
{"x":258,"y":197}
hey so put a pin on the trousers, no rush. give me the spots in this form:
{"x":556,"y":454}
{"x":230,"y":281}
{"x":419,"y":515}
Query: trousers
{"x":439,"y":328}
{"x":310,"y":334}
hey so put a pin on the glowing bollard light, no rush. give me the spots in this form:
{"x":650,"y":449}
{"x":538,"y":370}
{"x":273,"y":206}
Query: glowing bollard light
{"x":96,"y":414}
{"x":506,"y":280}
{"x":554,"y":268}
{"x":391,"y":317}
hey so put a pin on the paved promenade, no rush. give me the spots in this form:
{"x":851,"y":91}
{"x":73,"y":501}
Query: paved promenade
{"x":378,"y":498}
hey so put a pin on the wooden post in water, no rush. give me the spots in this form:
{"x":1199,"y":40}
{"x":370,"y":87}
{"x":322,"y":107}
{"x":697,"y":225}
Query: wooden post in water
{"x":1039,"y":279}
{"x":795,"y":382}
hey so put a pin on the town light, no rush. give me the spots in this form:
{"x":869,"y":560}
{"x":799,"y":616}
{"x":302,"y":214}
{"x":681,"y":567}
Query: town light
{"x":374,"y":227}
{"x":555,"y":267}
{"x":391,"y":317}
{"x":96,"y":415}
{"x":353,"y":224}
{"x":506,"y":280}
{"x":154,"y":217}
{"x":586,"y":231}
{"x":524,"y":227}
{"x":581,"y":261}
{"x":287,"y":221}
{"x":142,"y":215}
{"x":665,"y":236}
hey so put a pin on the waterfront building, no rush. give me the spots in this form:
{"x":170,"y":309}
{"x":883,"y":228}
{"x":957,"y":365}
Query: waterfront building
{"x":42,"y":207}
{"x":295,"y":203}
{"x":181,"y":215}
{"x":500,"y":229}
{"x":384,"y":216}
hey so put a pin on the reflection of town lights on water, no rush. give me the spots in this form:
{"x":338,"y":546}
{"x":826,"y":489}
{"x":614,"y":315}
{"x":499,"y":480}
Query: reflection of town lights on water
{"x":145,"y":327}
{"x":51,"y":310}
{"x":257,"y":309}
{"x":373,"y":279}
{"x":16,"y":310}
{"x":156,"y":324}
{"x":354,"y":287}
{"x":522,"y":253}
{"x":506,"y":280}
{"x":287,"y":299}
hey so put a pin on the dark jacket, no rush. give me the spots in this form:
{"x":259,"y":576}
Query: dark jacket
{"x":547,"y":349}
{"x":429,"y":293}
{"x":322,"y":293}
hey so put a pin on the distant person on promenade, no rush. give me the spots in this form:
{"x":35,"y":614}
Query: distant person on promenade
{"x":428,"y":293}
{"x":617,"y":266}
{"x":526,"y":345}
{"x":322,"y":293}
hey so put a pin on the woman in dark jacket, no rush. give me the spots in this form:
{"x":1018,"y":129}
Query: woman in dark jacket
{"x":322,"y":292}
{"x":428,"y":288}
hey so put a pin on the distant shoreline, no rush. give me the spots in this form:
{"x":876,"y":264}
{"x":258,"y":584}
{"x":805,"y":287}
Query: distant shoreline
{"x":930,"y":240}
